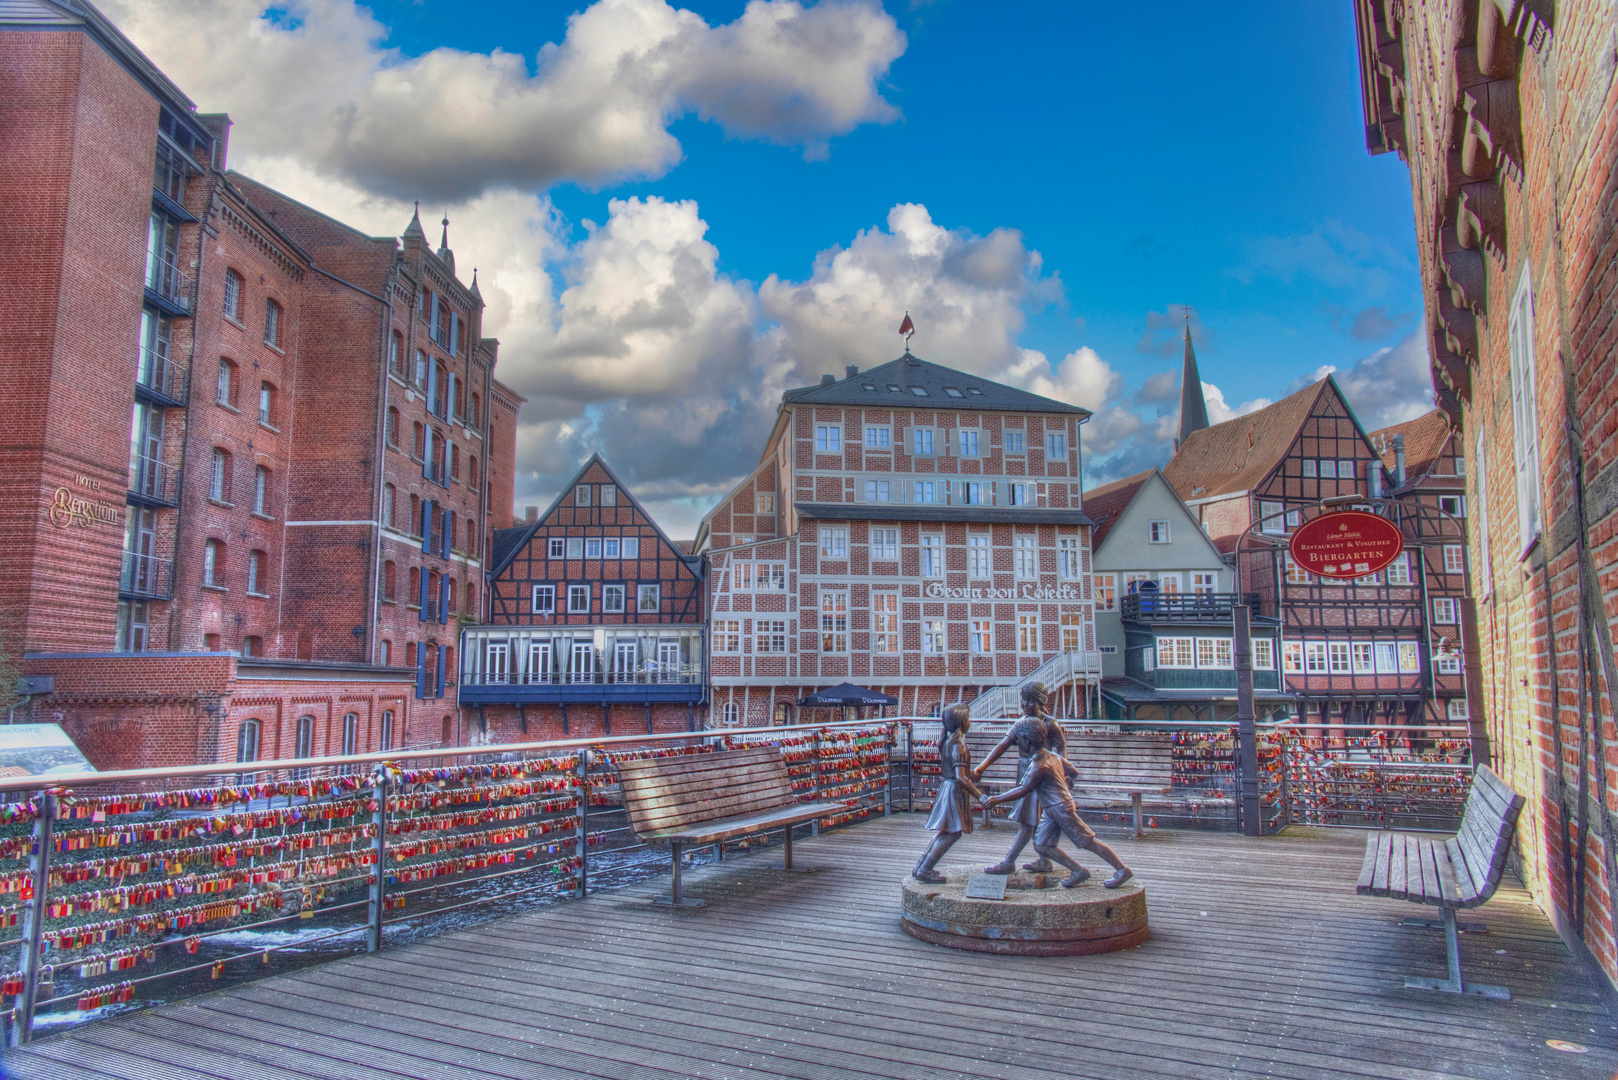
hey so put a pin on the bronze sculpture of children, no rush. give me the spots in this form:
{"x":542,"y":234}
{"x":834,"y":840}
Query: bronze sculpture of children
{"x":1025,"y":815}
{"x":952,"y":809}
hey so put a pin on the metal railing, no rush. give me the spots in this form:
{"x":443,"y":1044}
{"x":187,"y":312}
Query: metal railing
{"x":160,"y":376}
{"x":155,"y":482}
{"x":1055,"y":673}
{"x":1186,"y":607}
{"x":151,"y":884}
{"x":651,"y":672}
{"x":146,"y":576}
{"x":166,"y":281}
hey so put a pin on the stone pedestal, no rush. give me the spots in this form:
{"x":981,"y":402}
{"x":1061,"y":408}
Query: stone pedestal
{"x":1037,"y":918}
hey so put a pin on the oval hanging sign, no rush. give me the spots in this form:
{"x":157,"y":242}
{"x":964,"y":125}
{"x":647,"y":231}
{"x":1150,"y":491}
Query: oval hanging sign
{"x":1346,"y":544}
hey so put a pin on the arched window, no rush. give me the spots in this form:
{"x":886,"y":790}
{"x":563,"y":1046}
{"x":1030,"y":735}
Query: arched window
{"x":396,"y":354}
{"x":421,"y":369}
{"x":257,"y":567}
{"x":266,"y":403}
{"x":351,"y":733}
{"x":210,"y":642}
{"x":454,"y":461}
{"x":410,"y":654}
{"x":732,"y":714}
{"x":454,"y":597}
{"x":472,"y":597}
{"x":449,"y":664}
{"x":387,"y":505}
{"x":247,"y":741}
{"x":386,"y":654}
{"x":438,"y":454}
{"x":233,"y":295}
{"x":415,"y":512}
{"x":261,"y":490}
{"x":225,"y":394}
{"x":446,"y":731}
{"x":475,"y":416}
{"x":414,"y":596}
{"x":272,"y":323}
{"x":418,"y":443}
{"x":472,"y":471}
{"x":390,"y":580}
{"x":393,"y":426}
{"x":252,"y":645}
{"x":305,"y":746}
{"x":386,"y":741}
{"x":213,"y":563}
{"x":219,"y":479}
{"x":783,"y":713}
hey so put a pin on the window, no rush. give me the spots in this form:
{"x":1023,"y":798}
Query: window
{"x":385,"y":740}
{"x":764,"y":502}
{"x":1073,"y":632}
{"x":389,"y":495}
{"x":1027,"y":558}
{"x":472,"y":475}
{"x":1328,"y":469}
{"x":581,"y":495}
{"x":1443,"y":610}
{"x":1296,"y":574}
{"x":592,"y":547}
{"x":1055,"y":445}
{"x":932,"y":556}
{"x":950,"y":391}
{"x":454,"y":461}
{"x":1314,"y":657}
{"x":1292,"y":657}
{"x":879,"y":438}
{"x":612,"y":598}
{"x":982,"y":634}
{"x":544,"y":599}
{"x":1409,"y":658}
{"x":932,"y":637}
{"x":1485,"y":567}
{"x":1364,"y":664}
{"x":769,"y":636}
{"x":610,"y":548}
{"x":261,"y":486}
{"x":1525,"y":410}
{"x":1448,"y":665}
{"x":1175,"y":652}
{"x":247,"y":741}
{"x":1157,"y":532}
{"x":1169,"y":584}
{"x":1399,"y":570}
{"x":1014,"y":443}
{"x":256,"y":565}
{"x":578,"y":598}
{"x":1338,"y":657}
{"x":885,"y":623}
{"x":272,"y":323}
{"x":233,"y":295}
{"x":1106,"y":592}
{"x":834,"y":621}
{"x":971,"y":493}
{"x":396,"y":354}
{"x":884,"y":543}
{"x":1263,"y":654}
{"x":648,"y":599}
{"x":575,"y":547}
{"x":921,"y":445}
{"x":1455,"y":709}
{"x":1027,"y":632}
{"x":878,"y":491}
{"x":609,"y":494}
{"x":219,"y":479}
{"x":305,"y":746}
{"x":919,"y":391}
{"x":1019,"y":494}
{"x":968,"y":440}
{"x":1270,"y":517}
{"x":266,"y":403}
{"x":1204,"y":581}
{"x":828,"y":438}
{"x":924,"y":491}
{"x":1067,"y":557}
{"x":419,"y":375}
{"x":418,"y":442}
{"x":833,"y":543}
{"x":977,"y":556}
{"x":1387,"y":658}
{"x":732,"y":714}
{"x":556,"y":547}
{"x":1453,"y":505}
{"x":213,"y":563}
{"x":727,"y":635}
{"x":225,"y":393}
{"x":1345,"y":470}
{"x":1309,"y":468}
{"x":631,"y":547}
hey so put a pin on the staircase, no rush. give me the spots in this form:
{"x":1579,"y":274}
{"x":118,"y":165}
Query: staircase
{"x":999,"y":702}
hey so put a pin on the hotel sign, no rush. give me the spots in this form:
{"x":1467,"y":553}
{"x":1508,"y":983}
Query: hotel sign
{"x":938,"y":591}
{"x":1346,"y":544}
{"x":67,"y":509}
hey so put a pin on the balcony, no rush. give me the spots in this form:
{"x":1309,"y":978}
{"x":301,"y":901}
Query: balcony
{"x":1186,"y":607}
{"x":154,"y":483}
{"x":168,"y":287}
{"x":159,"y":380}
{"x":145,"y":577}
{"x":649,"y":681}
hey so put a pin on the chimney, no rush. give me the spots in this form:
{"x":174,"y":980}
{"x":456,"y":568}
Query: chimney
{"x":851,"y":370}
{"x":828,"y":380}
{"x":1398,"y":460}
{"x":530,"y":513}
{"x":1373,"y":478}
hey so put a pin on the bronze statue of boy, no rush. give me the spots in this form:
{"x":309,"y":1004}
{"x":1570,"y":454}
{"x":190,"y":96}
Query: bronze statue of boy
{"x":1025,"y":814}
{"x":1046,"y":782}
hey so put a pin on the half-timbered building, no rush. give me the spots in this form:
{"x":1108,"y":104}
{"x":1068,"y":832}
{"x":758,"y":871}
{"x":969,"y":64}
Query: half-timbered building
{"x":1380,"y":650}
{"x":914,"y":529}
{"x":595,"y":623}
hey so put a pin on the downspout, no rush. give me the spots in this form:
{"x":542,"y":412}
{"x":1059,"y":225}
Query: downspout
{"x":380,"y":451}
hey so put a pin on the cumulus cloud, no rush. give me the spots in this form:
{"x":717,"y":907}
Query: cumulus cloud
{"x":1165,"y":331}
{"x":313,"y":80}
{"x":1219,"y":411}
{"x":1390,"y":386}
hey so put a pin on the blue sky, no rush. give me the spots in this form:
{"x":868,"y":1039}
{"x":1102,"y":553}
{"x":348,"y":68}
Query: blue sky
{"x":1094,"y":166}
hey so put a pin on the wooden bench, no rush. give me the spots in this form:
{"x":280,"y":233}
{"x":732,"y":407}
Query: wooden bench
{"x":702,"y":799}
{"x":1111,"y":767}
{"x":1461,"y":871}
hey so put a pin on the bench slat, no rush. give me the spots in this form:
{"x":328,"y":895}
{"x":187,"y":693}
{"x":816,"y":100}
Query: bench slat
{"x":1451,"y":872}
{"x":723,"y":828}
{"x":1466,"y":877}
{"x":1384,"y":858}
{"x":1373,"y":845}
{"x":660,"y":791}
{"x":718,"y":760}
{"x":680,"y":816}
{"x":1399,"y":870}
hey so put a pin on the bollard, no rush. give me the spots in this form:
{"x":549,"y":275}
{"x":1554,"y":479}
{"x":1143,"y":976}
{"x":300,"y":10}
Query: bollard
{"x":584,"y":823}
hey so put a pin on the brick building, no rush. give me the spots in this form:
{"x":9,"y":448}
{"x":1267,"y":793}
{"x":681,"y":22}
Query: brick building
{"x":595,"y":617}
{"x":255,"y":433}
{"x":1506,"y":112}
{"x":913,"y":529}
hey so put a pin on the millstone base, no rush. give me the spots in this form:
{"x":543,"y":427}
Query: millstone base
{"x":1037,"y":917}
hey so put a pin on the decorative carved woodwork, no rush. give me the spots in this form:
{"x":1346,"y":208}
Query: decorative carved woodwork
{"x":1480,"y":219}
{"x":1463,"y":269}
{"x":1493,"y":138}
{"x":1459,"y":327}
{"x":1497,"y":45}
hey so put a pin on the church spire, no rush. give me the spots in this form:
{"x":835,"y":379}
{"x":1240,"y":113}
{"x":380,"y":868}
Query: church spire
{"x":1193,"y":409}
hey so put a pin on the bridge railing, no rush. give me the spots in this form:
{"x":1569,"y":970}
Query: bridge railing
{"x":121,"y":888}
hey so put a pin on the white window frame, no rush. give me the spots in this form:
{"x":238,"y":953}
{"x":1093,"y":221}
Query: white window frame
{"x":833,"y":542}
{"x":828,"y":438}
{"x":1263,"y":655}
{"x":979,"y":561}
{"x":1453,"y":505}
{"x":1158,"y":532}
{"x":982,"y":631}
{"x":884,"y":544}
{"x":1315,"y":658}
{"x":1454,"y":558}
{"x":612,"y":599}
{"x":1069,"y":567}
{"x":1338,"y":654}
{"x":934,"y":638}
{"x":544,"y":600}
{"x":878,"y":491}
{"x":1309,"y":469}
{"x":1204,"y":582}
{"x":1446,"y":612}
{"x":1072,"y":626}
{"x":885,"y":623}
{"x":926,"y":492}
{"x":878,"y":437}
{"x":609,"y":495}
{"x":631,"y":547}
{"x":1055,"y":445}
{"x":1026,"y":551}
{"x":763,"y":502}
{"x":648,"y":599}
{"x":727,"y":636}
{"x":770,"y":637}
{"x":1028,"y":632}
{"x":967,"y":442}
{"x":1176,"y":652}
{"x":1456,"y":709}
{"x":1525,"y":412}
{"x":1387,"y":657}
{"x":1016,"y":443}
{"x":556,"y":548}
{"x":922,"y":442}
{"x":1399,"y":569}
{"x":1409,"y":658}
{"x":1270,"y":521}
{"x":1105,"y":591}
{"x":834,"y":621}
{"x":574,"y":594}
{"x":1363,"y":658}
{"x":1292,"y":657}
{"x":581,"y":495}
{"x":932,"y":556}
{"x":575,"y":547}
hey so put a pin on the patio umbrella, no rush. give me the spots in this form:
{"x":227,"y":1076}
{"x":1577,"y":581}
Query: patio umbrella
{"x":845,"y":694}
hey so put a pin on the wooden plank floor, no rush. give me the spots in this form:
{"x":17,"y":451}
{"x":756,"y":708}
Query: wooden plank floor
{"x":1263,"y":963}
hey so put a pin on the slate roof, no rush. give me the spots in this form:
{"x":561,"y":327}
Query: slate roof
{"x":997,"y":515}
{"x":910,"y":374}
{"x":1107,"y":503}
{"x":1238,"y":454}
{"x":1425,"y":438}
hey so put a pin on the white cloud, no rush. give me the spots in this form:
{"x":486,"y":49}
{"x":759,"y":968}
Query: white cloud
{"x":1336,"y":255}
{"x":1390,"y":386}
{"x":313,"y":81}
{"x":1219,"y":412}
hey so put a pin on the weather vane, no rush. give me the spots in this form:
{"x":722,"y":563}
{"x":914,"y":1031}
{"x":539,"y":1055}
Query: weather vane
{"x":908,"y":329}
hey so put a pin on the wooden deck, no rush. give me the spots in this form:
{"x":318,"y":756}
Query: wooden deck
{"x":1263,"y":963}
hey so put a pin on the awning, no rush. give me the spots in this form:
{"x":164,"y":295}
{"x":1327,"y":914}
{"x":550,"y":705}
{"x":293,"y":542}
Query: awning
{"x":845,"y":694}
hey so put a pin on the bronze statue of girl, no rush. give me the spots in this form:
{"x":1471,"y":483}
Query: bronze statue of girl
{"x":952,"y":809}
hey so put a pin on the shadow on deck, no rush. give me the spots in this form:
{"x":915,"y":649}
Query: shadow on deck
{"x":1263,"y":963}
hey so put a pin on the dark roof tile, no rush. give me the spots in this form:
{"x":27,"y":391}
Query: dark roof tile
{"x":910,"y":382}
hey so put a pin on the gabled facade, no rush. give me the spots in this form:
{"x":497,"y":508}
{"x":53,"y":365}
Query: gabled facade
{"x":1381,"y":650}
{"x":1163,"y":601}
{"x":913,"y":529}
{"x":595,"y":619}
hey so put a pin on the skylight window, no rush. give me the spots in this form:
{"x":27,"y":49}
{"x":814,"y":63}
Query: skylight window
{"x":974,"y":391}
{"x":869,"y":385}
{"x":895,"y":388}
{"x":952,"y":392}
{"x":919,"y":391}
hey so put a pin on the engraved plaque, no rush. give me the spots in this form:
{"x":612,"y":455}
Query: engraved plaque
{"x":986,"y":887}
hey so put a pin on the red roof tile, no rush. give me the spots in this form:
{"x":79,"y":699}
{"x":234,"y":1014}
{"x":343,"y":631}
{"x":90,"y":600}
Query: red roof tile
{"x":1425,"y":439}
{"x":1106,"y":504}
{"x":1238,"y":454}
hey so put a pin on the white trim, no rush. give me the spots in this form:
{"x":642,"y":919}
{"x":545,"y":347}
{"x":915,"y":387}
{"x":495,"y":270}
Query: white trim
{"x":373,"y":524}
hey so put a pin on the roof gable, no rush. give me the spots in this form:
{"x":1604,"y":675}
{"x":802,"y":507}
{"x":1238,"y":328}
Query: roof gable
{"x":1427,"y":438}
{"x":1132,"y":502}
{"x":912,"y":383}
{"x":1238,"y":455}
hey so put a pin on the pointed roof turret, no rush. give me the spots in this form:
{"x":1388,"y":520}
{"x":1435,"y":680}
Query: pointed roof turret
{"x":1193,"y":409}
{"x":414,"y":231}
{"x":474,"y":287}
{"x":443,"y":246}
